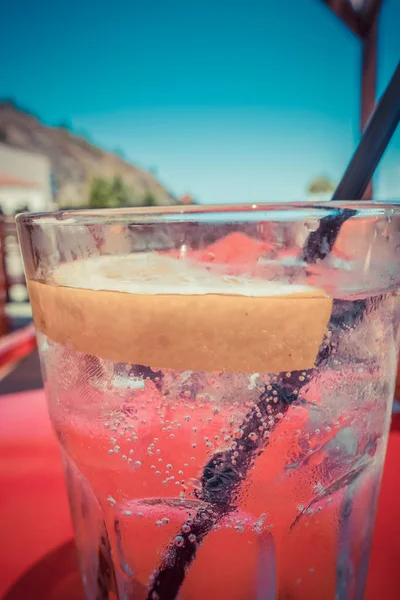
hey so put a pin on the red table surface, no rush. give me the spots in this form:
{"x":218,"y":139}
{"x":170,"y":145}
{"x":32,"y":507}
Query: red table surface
{"x":34,"y":517}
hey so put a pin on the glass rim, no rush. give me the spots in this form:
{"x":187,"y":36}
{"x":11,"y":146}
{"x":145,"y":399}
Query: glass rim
{"x":272,"y":211}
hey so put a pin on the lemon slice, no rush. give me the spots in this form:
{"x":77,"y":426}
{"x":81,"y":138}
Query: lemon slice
{"x":165,"y":313}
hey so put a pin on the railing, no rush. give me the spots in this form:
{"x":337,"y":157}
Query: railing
{"x":16,"y":345}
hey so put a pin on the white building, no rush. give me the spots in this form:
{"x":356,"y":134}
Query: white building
{"x":25,"y":181}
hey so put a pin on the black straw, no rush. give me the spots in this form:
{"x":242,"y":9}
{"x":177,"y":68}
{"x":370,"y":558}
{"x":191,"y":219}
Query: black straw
{"x":223,"y":475}
{"x":374,"y":141}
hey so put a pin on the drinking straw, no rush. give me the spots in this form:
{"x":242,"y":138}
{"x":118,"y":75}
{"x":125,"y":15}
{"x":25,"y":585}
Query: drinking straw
{"x":224,"y":473}
{"x":221,"y":478}
{"x":374,"y":141}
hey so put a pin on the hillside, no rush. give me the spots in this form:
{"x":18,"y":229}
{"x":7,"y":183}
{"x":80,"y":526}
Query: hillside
{"x":74,"y":160}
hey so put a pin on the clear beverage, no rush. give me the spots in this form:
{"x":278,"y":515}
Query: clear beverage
{"x":222,"y":424}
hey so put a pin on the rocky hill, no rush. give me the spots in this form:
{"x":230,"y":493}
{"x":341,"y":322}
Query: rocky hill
{"x":75,"y":162}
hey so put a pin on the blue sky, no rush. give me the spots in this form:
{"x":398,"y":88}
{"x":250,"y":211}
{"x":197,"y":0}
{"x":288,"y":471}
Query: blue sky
{"x":231,"y":102}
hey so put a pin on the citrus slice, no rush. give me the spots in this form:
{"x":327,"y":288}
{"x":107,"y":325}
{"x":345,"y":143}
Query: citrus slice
{"x":167,"y":313}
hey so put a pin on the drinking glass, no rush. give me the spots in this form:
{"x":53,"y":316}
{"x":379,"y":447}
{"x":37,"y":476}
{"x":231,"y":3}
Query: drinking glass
{"x":221,"y":397}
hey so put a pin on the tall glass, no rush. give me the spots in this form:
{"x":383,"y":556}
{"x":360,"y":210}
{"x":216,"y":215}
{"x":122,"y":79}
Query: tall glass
{"x":220,"y":381}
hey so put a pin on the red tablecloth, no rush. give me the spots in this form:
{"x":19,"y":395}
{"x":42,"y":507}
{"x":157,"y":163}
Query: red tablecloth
{"x":34,"y":517}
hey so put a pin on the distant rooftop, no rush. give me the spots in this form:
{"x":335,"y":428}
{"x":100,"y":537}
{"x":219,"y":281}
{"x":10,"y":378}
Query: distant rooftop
{"x":10,"y":182}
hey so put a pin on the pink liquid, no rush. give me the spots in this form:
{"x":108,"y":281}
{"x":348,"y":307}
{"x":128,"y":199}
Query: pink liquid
{"x":135,"y":447}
